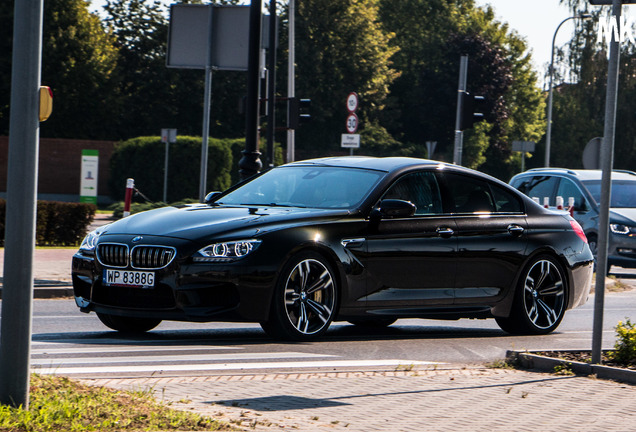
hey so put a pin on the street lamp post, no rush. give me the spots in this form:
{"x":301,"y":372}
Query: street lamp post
{"x":551,"y":73}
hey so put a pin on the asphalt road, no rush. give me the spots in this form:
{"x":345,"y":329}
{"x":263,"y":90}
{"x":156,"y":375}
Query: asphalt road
{"x":68,"y":342}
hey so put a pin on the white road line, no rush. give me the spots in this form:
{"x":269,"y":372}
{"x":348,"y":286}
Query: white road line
{"x":230,"y":366}
{"x":52,"y":362}
{"x":127,"y":348}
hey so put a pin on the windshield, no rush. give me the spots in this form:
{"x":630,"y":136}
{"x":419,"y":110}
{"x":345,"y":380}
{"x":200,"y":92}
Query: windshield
{"x":623,"y":192}
{"x":306,"y":186}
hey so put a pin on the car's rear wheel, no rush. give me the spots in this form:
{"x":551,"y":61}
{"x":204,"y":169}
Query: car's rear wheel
{"x":128,"y":324}
{"x":540,"y":300}
{"x":305,"y":299}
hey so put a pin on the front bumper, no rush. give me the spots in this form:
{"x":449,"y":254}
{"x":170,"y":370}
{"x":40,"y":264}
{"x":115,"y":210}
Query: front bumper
{"x":184,"y":291}
{"x":622,"y":251}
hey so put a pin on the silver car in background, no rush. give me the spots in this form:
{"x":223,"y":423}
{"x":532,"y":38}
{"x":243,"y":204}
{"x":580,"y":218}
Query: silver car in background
{"x":582,"y":189}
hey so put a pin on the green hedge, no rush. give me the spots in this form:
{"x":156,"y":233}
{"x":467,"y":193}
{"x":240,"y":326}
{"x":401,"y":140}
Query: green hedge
{"x":58,"y":223}
{"x":143,"y":159}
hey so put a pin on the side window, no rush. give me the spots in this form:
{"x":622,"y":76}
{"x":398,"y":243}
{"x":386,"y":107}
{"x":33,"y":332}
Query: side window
{"x":505,"y":202}
{"x":540,"y":187}
{"x":470,"y":195}
{"x":421,"y":189}
{"x":567,"y":189}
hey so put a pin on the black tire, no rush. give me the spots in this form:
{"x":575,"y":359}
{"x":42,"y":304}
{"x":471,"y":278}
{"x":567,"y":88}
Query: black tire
{"x":305,"y":299}
{"x":540,"y":300}
{"x":375,"y":323}
{"x":128,"y":324}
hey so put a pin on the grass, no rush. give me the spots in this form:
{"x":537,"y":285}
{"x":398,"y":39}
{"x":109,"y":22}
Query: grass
{"x":61,"y":404}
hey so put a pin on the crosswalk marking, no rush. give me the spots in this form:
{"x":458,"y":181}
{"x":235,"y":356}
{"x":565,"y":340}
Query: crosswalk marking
{"x":122,"y":349}
{"x":113,"y":357}
{"x":172,"y":358}
{"x":228,"y":366}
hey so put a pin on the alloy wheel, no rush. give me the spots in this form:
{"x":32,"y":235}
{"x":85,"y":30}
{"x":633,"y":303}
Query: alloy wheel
{"x":310,"y":296}
{"x":544,"y":294}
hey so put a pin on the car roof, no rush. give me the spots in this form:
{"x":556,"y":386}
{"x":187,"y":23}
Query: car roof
{"x":368,"y":162}
{"x":387,"y":164}
{"x":582,"y":174}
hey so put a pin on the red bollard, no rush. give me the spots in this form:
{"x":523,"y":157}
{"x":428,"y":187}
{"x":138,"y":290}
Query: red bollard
{"x":130,"y":185}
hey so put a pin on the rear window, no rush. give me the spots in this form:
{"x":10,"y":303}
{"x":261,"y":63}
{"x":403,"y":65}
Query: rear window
{"x":471,"y":195}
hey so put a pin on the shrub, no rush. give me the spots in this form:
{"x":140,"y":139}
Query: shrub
{"x":58,"y":223}
{"x":625,"y":345}
{"x":143,"y":159}
{"x":118,"y":208}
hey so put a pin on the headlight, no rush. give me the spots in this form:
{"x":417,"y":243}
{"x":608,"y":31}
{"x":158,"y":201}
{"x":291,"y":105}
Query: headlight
{"x":621,"y":229}
{"x":90,"y":241}
{"x":226,"y":251}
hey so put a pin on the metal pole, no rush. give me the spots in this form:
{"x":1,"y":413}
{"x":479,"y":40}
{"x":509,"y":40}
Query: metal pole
{"x":165,"y":173}
{"x":607,"y":161}
{"x":548,"y":137}
{"x":250,"y":164}
{"x":17,"y":292}
{"x":207,"y":101}
{"x":291,"y":78}
{"x":271,"y":87}
{"x":459,"y":135}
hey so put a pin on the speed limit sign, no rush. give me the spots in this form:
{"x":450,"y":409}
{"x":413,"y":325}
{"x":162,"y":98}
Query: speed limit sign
{"x":352,"y":102}
{"x":352,"y":123}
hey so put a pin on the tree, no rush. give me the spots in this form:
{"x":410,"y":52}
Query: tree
{"x":432,"y":35}
{"x":580,"y":91}
{"x":340,"y":48}
{"x":78,"y":60}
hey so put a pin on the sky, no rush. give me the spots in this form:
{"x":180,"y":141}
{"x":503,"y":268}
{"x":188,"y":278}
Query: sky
{"x":536,"y":21}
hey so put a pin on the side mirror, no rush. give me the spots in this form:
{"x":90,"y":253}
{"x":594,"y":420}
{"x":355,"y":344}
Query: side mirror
{"x":209,"y":198}
{"x":394,"y":208}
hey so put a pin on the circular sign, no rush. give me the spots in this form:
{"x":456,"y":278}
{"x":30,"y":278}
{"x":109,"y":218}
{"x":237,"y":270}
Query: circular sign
{"x":352,"y":123}
{"x":352,"y":102}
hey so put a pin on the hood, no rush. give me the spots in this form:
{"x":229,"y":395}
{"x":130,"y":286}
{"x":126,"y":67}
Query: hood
{"x":626,"y":216}
{"x":200,"y":221}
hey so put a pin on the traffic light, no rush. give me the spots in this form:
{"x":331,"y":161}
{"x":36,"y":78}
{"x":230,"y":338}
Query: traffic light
{"x":297,"y":112}
{"x":472,"y":110}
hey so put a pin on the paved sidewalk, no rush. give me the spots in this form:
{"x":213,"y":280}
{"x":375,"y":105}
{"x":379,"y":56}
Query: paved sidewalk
{"x":466,"y":399}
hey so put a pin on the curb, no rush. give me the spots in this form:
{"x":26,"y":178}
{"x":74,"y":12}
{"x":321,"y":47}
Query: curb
{"x":530,"y":360}
{"x":50,"y":289}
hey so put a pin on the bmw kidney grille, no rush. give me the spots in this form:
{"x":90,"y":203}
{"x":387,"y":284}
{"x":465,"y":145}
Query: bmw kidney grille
{"x":141,"y":257}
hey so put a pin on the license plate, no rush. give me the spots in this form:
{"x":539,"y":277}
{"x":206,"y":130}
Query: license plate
{"x":129,"y":278}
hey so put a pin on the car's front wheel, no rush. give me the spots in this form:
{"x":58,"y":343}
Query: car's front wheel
{"x":128,"y":324}
{"x":305,"y":299}
{"x":540,"y":300}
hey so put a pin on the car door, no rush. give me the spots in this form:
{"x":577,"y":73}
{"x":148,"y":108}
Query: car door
{"x":491,"y":226}
{"x":410,"y":261}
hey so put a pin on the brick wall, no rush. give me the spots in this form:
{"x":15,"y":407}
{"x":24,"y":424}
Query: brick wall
{"x":59,"y":166}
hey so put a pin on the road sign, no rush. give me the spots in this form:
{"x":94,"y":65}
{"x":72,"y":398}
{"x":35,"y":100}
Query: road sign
{"x":352,"y":102}
{"x":168,"y":136}
{"x":592,"y":154}
{"x":350,"y":141}
{"x":430,"y":147}
{"x":523,"y":146}
{"x":88,"y":180}
{"x":352,"y":123}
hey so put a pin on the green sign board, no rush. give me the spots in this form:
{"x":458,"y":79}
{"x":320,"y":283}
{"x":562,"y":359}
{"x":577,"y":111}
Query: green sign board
{"x":88,"y":180}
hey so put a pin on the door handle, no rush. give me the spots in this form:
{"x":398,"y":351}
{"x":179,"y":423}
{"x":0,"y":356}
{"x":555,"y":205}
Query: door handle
{"x":445,"y":232}
{"x":352,"y":242}
{"x":515,"y":230}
